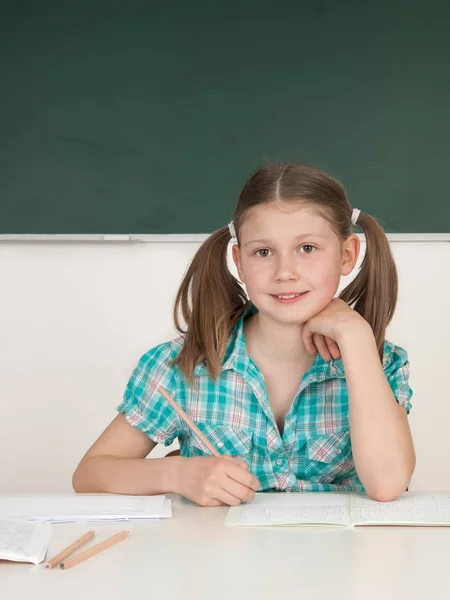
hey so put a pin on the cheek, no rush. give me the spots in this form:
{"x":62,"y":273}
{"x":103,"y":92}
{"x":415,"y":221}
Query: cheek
{"x":254,"y":273}
{"x":326,"y":277}
{"x":325,"y":281}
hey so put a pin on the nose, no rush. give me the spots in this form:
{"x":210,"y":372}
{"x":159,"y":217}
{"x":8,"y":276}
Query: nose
{"x":286,"y":268}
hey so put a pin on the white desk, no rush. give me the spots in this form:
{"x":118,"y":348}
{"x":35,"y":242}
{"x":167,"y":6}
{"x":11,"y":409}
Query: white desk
{"x":193,"y":556}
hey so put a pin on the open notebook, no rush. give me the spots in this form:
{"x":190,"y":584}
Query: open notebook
{"x":62,"y":508}
{"x":22,"y":541}
{"x":311,"y":508}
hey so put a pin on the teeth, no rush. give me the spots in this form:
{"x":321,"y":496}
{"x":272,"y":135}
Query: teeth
{"x":289,"y":297}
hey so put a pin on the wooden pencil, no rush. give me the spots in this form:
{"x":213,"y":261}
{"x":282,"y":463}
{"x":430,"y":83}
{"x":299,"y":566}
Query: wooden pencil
{"x":67,"y":551}
{"x":94,"y":550}
{"x":188,"y":421}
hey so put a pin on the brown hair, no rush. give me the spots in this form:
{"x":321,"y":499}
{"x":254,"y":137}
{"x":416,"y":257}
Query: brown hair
{"x":211,"y":300}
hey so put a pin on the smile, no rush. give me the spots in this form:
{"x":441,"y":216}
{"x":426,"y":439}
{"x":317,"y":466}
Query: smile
{"x":287,"y":298}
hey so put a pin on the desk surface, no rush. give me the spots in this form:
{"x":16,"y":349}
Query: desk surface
{"x":193,"y":555}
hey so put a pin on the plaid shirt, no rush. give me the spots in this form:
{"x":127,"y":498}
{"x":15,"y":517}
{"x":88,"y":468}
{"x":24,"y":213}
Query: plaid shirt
{"x":313,"y":454}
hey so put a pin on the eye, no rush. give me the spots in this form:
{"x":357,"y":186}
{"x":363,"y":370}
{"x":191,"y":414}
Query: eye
{"x":262,"y":252}
{"x":308,"y":249}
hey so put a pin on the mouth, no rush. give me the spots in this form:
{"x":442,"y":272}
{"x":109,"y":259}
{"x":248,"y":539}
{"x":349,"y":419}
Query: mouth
{"x":288,"y":298}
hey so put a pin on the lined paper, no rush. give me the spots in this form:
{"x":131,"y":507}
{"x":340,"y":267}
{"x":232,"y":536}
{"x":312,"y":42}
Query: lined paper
{"x":413,"y":508}
{"x":24,"y":541}
{"x":305,"y":508}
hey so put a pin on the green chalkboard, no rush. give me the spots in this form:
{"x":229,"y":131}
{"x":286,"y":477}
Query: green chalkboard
{"x":147,"y":117}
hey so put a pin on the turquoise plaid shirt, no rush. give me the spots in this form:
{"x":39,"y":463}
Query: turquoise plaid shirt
{"x":313,"y":454}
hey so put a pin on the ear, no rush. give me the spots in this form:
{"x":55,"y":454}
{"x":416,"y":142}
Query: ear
{"x":236,"y":253}
{"x":350,"y":253}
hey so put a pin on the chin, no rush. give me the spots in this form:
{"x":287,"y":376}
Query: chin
{"x":290,"y":314}
{"x":287,"y":318}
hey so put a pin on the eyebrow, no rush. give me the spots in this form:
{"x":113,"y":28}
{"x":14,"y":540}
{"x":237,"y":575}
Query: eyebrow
{"x":298,"y":238}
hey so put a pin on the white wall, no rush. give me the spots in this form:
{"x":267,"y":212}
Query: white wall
{"x":75,"y":317}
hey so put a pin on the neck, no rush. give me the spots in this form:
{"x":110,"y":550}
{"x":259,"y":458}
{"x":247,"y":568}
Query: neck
{"x":277,"y":342}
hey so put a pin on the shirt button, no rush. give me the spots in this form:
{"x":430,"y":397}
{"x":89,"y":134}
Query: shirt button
{"x":338,"y":451}
{"x":220,"y":444}
{"x":279,"y":461}
{"x":288,"y":490}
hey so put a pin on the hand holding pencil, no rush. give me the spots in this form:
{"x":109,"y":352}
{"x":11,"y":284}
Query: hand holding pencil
{"x":211,"y":480}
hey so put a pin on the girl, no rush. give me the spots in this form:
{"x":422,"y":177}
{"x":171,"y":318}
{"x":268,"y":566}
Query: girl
{"x":297,"y":389}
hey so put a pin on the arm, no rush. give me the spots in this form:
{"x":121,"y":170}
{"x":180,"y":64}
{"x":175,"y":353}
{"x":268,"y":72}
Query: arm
{"x":115,"y":464}
{"x":382,"y":445}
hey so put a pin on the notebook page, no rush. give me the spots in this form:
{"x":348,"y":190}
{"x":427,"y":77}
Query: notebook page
{"x":79,"y":507}
{"x":413,"y":508}
{"x":22,"y":541}
{"x":166,"y":513}
{"x":305,"y":508}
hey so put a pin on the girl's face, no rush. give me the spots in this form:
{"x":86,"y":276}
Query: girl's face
{"x":291,"y":260}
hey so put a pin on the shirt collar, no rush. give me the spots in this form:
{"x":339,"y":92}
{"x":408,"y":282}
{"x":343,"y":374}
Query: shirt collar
{"x":237,"y":358}
{"x":236,"y":353}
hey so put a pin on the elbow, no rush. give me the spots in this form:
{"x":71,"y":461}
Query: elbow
{"x":394,"y":484}
{"x":386,"y":491}
{"x":79,"y":479}
{"x":76,"y":484}
{"x":384,"y":494}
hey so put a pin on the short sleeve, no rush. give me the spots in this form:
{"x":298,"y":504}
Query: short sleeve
{"x":143,"y":405}
{"x":396,"y":369}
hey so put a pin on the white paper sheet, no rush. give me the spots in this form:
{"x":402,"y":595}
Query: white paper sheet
{"x":23,"y":541}
{"x":413,"y":508}
{"x":291,"y":509}
{"x":60,"y":508}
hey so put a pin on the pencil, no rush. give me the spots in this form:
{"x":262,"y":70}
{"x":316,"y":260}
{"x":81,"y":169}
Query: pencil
{"x":94,"y":550}
{"x":188,"y":421}
{"x":65,"y":553}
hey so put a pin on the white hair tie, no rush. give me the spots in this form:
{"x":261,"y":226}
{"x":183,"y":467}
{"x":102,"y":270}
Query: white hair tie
{"x":232,"y":229}
{"x":355,"y":216}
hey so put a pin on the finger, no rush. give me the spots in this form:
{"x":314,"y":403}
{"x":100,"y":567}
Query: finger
{"x":243,"y":477}
{"x":333,"y":348}
{"x":321,"y":346}
{"x":205,"y":500}
{"x":229,"y":499}
{"x":308,"y":341}
{"x":242,"y":492}
{"x":214,"y":502}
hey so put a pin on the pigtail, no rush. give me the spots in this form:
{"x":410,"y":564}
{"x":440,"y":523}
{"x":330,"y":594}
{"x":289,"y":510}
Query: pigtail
{"x":373,"y":292}
{"x":210,"y":301}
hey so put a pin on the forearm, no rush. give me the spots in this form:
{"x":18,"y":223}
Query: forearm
{"x":117,"y":475}
{"x":382,"y":445}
